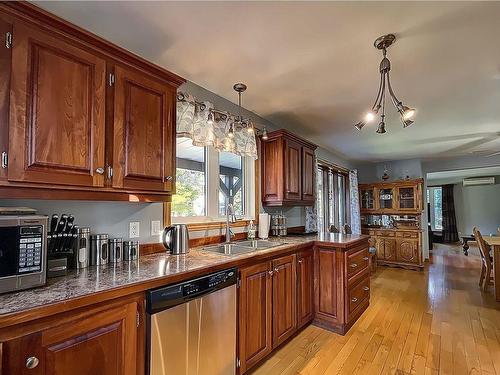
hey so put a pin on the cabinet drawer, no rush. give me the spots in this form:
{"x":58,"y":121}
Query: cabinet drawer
{"x":357,"y":262}
{"x":408,"y":234}
{"x":385,"y":233}
{"x":357,"y":294}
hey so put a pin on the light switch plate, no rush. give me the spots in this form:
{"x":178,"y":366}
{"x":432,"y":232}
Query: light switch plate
{"x":134,"y":231}
{"x":155,"y":227}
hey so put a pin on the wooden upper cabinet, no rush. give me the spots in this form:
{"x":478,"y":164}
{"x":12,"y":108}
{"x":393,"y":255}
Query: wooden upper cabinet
{"x":367,"y":199}
{"x":305,"y":287}
{"x":392,"y":197}
{"x":5,"y":66}
{"x":284,"y":298}
{"x":293,"y":170}
{"x":408,"y":198}
{"x":288,"y":170}
{"x":255,"y":309}
{"x":144,"y":132}
{"x":56,"y":131}
{"x":104,"y":344}
{"x":308,"y":174}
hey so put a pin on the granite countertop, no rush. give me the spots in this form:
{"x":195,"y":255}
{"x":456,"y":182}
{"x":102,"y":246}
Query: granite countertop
{"x":160,"y":266}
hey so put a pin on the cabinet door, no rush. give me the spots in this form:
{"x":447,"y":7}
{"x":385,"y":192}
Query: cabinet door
{"x":5,"y":66}
{"x":56,"y":131}
{"x":380,"y":246}
{"x":390,"y":249}
{"x":272,"y":170}
{"x":407,"y":198}
{"x":367,"y":197}
{"x":255,"y":301}
{"x":105,"y":344}
{"x":385,"y":198}
{"x":293,"y":178}
{"x":407,"y":250}
{"x":284,"y":298}
{"x":305,"y":282}
{"x":308,"y":169}
{"x":144,"y":132}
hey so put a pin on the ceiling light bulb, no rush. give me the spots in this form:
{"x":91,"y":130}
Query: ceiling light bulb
{"x":210,"y":119}
{"x":250,"y":129}
{"x":360,"y":125}
{"x":264,"y":134}
{"x":230,"y":134}
{"x":381,"y":128}
{"x":370,"y":116}
{"x":408,"y":113}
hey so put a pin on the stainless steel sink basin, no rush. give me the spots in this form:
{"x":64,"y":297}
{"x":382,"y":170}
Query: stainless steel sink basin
{"x":241,"y":247}
{"x":259,"y":244}
{"x":229,"y":249}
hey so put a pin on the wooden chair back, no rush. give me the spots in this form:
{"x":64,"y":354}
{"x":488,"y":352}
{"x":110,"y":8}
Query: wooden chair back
{"x":484,"y":249}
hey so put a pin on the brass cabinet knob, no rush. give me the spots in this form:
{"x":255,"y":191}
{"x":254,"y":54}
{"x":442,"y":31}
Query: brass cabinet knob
{"x":366,"y":289}
{"x":366,"y":258}
{"x":300,"y":260}
{"x":354,"y":299}
{"x":276,"y":270}
{"x":270,"y":273}
{"x":168,"y":178}
{"x":32,"y":362}
{"x":354,"y":265}
{"x":99,"y":170}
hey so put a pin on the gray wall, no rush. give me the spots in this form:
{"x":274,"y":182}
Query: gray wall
{"x":477,"y":206}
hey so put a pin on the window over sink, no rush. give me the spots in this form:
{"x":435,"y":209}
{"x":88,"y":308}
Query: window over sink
{"x":207,"y":180}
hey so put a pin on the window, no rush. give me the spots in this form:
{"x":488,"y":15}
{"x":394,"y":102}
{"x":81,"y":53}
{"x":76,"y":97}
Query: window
{"x":434,"y":198}
{"x":207,"y":180}
{"x":190,"y":196}
{"x":331,"y":199}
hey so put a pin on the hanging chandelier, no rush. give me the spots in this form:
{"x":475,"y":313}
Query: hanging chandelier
{"x":407,"y":114}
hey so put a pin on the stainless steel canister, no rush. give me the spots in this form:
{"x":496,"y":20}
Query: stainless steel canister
{"x":115,"y":250}
{"x":130,"y":250}
{"x":81,"y":257}
{"x":99,"y":253}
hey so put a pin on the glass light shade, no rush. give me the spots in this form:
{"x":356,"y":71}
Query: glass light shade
{"x":210,"y":119}
{"x":408,"y":113}
{"x":381,"y":128}
{"x":406,"y":123}
{"x":360,"y":125}
{"x":230,"y":133}
{"x":264,"y":134}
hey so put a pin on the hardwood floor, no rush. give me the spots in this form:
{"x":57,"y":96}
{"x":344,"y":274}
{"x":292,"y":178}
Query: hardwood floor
{"x":431,"y":322}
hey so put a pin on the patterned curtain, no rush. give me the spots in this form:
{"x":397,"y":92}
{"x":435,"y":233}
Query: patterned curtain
{"x":192,"y":123}
{"x":450,"y":233}
{"x":354,"y":195}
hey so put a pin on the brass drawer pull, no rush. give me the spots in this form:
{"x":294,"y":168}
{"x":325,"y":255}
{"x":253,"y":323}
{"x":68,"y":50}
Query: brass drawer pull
{"x":276,"y":270}
{"x":300,"y":260}
{"x":270,"y":273}
{"x":354,"y":265}
{"x":354,"y":299}
{"x":366,"y":258}
{"x":366,"y":289}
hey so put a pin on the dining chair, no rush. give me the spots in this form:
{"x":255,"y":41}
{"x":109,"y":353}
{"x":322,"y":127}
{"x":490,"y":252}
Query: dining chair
{"x":485,"y":279}
{"x":347,"y":229}
{"x":333,"y":229}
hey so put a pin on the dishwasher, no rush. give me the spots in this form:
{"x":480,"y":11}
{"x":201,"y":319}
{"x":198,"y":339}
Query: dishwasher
{"x":191,"y":326}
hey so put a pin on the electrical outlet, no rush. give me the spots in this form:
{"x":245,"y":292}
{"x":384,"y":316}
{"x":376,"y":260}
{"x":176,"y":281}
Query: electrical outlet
{"x":155,"y":227}
{"x":134,"y":229}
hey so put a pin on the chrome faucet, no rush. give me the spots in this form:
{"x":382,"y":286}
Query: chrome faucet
{"x":230,"y":218}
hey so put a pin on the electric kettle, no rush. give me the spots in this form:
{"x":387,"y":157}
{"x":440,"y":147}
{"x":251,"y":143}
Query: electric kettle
{"x":176,"y":239}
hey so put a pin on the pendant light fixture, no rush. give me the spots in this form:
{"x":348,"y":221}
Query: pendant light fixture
{"x":407,"y":114}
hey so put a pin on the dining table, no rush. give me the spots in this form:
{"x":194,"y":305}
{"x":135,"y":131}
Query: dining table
{"x":494,"y":243}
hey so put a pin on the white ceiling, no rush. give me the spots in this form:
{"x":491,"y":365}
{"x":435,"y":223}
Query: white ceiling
{"x":311,"y":66}
{"x":458,"y":175}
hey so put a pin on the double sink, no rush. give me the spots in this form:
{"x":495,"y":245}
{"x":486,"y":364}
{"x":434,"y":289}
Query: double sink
{"x":241,"y":247}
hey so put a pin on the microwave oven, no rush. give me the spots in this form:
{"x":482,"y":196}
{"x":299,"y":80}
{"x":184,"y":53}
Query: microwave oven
{"x":23,"y":252}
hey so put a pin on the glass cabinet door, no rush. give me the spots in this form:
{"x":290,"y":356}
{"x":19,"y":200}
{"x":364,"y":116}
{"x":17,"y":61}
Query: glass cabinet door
{"x":367,"y":199}
{"x":386,"y":197}
{"x":406,"y":198}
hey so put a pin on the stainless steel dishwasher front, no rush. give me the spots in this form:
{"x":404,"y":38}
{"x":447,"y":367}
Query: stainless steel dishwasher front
{"x":192,"y":327}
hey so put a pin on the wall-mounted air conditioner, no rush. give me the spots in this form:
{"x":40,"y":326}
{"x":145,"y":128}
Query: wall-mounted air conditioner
{"x":474,"y":181}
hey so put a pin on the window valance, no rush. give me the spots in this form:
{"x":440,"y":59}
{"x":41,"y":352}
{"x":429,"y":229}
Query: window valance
{"x":193,"y":122}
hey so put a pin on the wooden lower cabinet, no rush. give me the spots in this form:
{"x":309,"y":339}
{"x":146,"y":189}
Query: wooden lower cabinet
{"x":255,"y":314}
{"x":337,"y":278}
{"x":402,"y":248}
{"x":96,"y":341}
{"x":305,"y":287}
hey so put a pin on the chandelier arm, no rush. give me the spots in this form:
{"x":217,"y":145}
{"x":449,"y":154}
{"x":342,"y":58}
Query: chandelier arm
{"x":382,"y":93}
{"x":393,"y":96}
{"x":379,"y":92}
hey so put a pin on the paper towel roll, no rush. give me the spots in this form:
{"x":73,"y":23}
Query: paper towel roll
{"x":264,"y":223}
